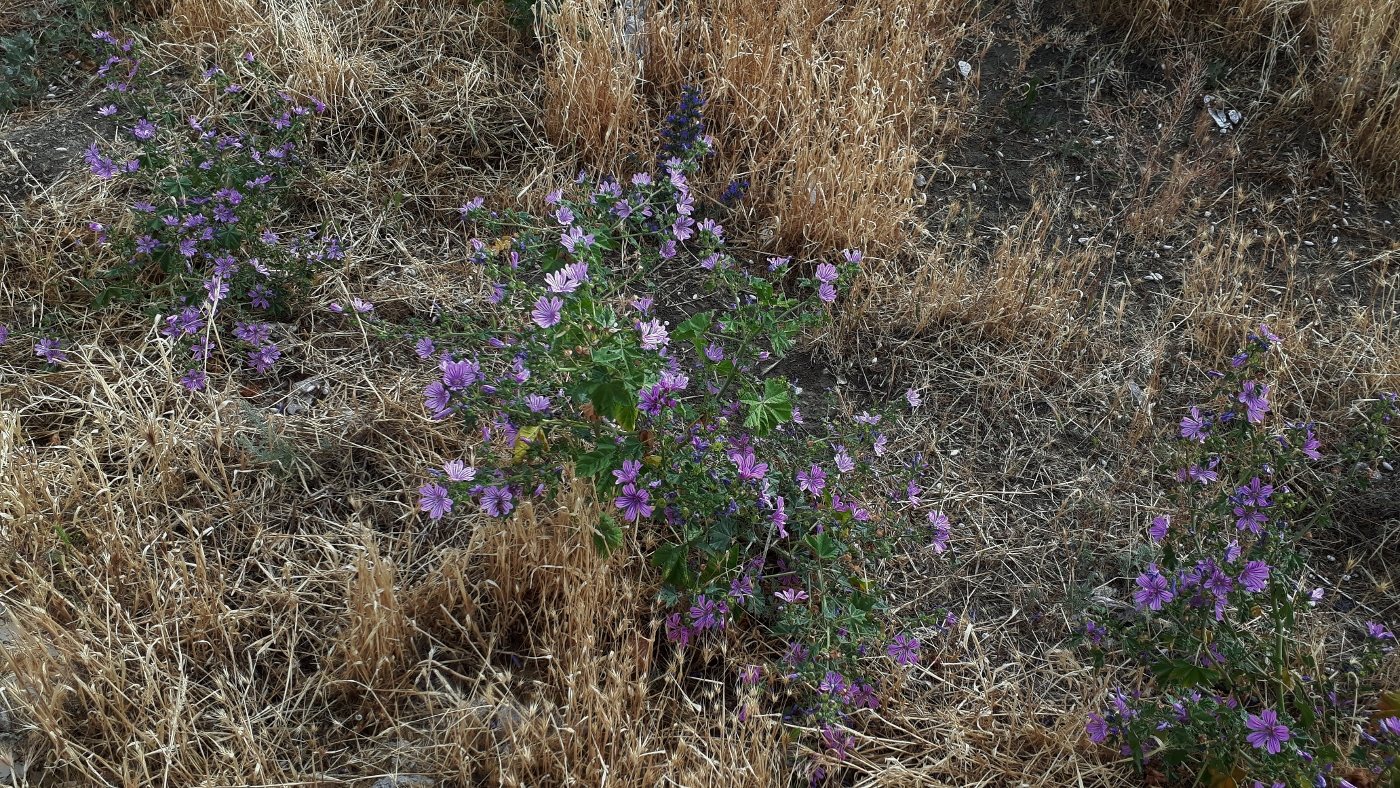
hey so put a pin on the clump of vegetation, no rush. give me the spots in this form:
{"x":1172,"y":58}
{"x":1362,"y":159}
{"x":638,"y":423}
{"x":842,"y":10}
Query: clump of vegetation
{"x":42,"y":51}
{"x":203,"y":242}
{"x":1237,"y":695}
{"x":754,"y":518}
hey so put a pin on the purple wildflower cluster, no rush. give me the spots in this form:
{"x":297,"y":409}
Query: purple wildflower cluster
{"x":1215,"y":604}
{"x":214,"y":239}
{"x":758,"y":519}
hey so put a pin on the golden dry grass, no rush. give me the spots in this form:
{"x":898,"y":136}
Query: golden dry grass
{"x":203,"y":591}
{"x":822,"y":104}
{"x":1332,"y":63}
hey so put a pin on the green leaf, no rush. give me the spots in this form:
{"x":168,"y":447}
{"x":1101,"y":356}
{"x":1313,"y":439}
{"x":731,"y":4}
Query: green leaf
{"x":823,"y":546}
{"x":770,"y":408}
{"x":597,"y":462}
{"x":693,"y":330}
{"x":672,"y":560}
{"x":607,"y":535}
{"x":1185,"y":674}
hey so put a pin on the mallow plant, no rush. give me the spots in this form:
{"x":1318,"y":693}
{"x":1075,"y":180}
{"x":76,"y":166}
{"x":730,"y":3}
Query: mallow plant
{"x":1237,"y":695}
{"x":581,"y":364}
{"x":203,"y":244}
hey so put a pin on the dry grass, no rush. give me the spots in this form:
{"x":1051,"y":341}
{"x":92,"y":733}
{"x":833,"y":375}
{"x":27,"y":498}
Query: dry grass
{"x":1333,"y":63}
{"x":204,"y":591}
{"x":822,"y":104}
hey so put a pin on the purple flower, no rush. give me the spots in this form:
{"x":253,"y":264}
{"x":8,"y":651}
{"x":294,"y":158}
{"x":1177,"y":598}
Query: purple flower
{"x":714,"y":353}
{"x":677,"y":632}
{"x":941,"y":530}
{"x":216,"y":288}
{"x":1254,"y":576}
{"x":844,"y":463}
{"x":437,"y":398}
{"x":833,"y":684}
{"x":537,"y":403}
{"x":780,"y":517}
{"x":194,"y":379}
{"x":707,"y":614}
{"x":107,"y":110}
{"x":827,"y":273}
{"x":812,"y":481}
{"x":1378,"y":631}
{"x":497,"y":501}
{"x":51,"y":351}
{"x":264,"y":358}
{"x":143,"y":130}
{"x":1152,"y":590}
{"x":914,"y":399}
{"x":1097,"y":729}
{"x":629,"y":471}
{"x":256,"y":334}
{"x":4,"y":334}
{"x":1268,"y":734}
{"x":1251,"y":519}
{"x":904,"y":650}
{"x":1256,"y":493}
{"x":1311,"y":445}
{"x":635,"y":503}
{"x":458,"y":471}
{"x":682,"y":228}
{"x":750,"y":469}
{"x":434,"y":500}
{"x":826,"y":293}
{"x":424,"y":348}
{"x":1195,"y":426}
{"x":547,"y":311}
{"x":1391,"y":725}
{"x":741,"y":588}
{"x":574,"y":238}
{"x":1255,"y":399}
{"x":837,"y":742}
{"x":361,"y":306}
{"x":260,"y":296}
{"x":458,"y":375}
{"x":1160,"y":524}
{"x":791,"y":595}
{"x":653,"y":333}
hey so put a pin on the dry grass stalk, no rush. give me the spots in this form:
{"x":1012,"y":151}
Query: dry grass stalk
{"x":819,"y":104}
{"x":1333,"y":62}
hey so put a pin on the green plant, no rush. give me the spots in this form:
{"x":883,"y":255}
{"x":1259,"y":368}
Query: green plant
{"x":752,"y":516}
{"x":202,"y":243}
{"x":1236,"y":695}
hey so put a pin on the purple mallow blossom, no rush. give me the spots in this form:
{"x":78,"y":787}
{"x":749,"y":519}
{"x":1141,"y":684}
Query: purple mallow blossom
{"x":904,"y":650}
{"x":1153,"y":590}
{"x":750,"y":469}
{"x":1195,"y":426}
{"x":497,"y":501}
{"x":812,"y":480}
{"x":51,"y":350}
{"x":653,"y":333}
{"x":941,"y":530}
{"x":547,"y":311}
{"x":1160,"y":524}
{"x":1255,"y":576}
{"x":634,"y":502}
{"x":1268,"y":733}
{"x":434,"y":499}
{"x":1255,"y":397}
{"x":458,"y":471}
